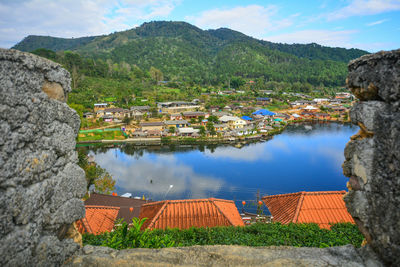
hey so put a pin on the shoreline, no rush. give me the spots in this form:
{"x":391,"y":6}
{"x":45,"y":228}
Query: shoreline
{"x":174,"y":140}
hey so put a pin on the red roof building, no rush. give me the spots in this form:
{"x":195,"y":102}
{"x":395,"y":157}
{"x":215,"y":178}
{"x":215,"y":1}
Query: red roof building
{"x":124,"y":203}
{"x":322,"y":208}
{"x":188,"y":213}
{"x":98,"y":219}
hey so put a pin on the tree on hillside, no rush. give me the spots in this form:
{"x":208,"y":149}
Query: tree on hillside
{"x":156,"y":74}
{"x":210,"y":128}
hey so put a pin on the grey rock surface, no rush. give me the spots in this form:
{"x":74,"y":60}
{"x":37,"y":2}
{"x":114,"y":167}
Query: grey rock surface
{"x":221,"y":256}
{"x":376,"y":76}
{"x":40,"y":182}
{"x":373,"y":156}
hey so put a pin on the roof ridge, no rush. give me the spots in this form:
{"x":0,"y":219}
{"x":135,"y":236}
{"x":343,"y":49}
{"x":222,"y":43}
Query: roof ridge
{"x":101,"y":207}
{"x":307,"y":193}
{"x":299,"y":204}
{"x":226,"y":217}
{"x":287,"y":194}
{"x":325,"y":192}
{"x":158,"y":214}
{"x":188,"y":200}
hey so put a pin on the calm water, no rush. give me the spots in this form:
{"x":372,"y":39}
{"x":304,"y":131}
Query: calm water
{"x":302,"y":158}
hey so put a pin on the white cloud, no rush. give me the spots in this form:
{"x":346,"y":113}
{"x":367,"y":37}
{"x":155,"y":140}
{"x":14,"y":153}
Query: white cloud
{"x":376,"y":22}
{"x":75,"y":18}
{"x":323,"y":37}
{"x":254,"y":20}
{"x":248,"y":153}
{"x":363,"y":8}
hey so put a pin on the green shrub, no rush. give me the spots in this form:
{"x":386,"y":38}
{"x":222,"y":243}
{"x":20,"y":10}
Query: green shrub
{"x":273,"y":234}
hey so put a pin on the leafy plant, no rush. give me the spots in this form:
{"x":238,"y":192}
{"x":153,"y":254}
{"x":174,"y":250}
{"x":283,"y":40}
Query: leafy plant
{"x":131,"y":236}
{"x":259,"y":234}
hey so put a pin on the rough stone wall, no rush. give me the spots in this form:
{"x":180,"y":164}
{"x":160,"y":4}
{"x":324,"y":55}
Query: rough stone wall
{"x":40,"y":182}
{"x":373,"y":155}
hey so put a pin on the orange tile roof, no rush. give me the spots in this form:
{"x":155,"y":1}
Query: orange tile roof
{"x":186,"y":213}
{"x":98,"y":219}
{"x":323,"y":208}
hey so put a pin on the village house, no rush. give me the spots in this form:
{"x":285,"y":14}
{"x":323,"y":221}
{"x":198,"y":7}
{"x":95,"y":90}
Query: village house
{"x":119,"y":113}
{"x":139,"y":134}
{"x":156,"y":125}
{"x":176,"y":116}
{"x":221,"y":127}
{"x":154,"y":133}
{"x":322,"y":116}
{"x":339,"y":109}
{"x":194,"y":115}
{"x":188,"y":131}
{"x":99,"y":106}
{"x":220,"y":114}
{"x":213,"y":109}
{"x":310,"y":108}
{"x":308,"y":115}
{"x":187,"y":213}
{"x":320,"y":101}
{"x":282,"y":116}
{"x":143,"y":109}
{"x":323,"y":208}
{"x":263,"y":113}
{"x":176,"y":106}
{"x":136,"y":114}
{"x":300,"y":103}
{"x":263,"y":100}
{"x":176,"y":123}
{"x":343,"y":95}
{"x":233,"y":121}
{"x":243,"y":131}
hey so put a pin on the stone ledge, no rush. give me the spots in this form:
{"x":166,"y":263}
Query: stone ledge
{"x":223,"y":256}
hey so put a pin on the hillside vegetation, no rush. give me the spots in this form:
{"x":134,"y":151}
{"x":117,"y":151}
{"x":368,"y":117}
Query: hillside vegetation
{"x":185,"y":53}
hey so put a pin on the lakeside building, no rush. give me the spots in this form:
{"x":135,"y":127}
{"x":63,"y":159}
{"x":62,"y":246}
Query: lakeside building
{"x":187,"y":213}
{"x":323,"y":208}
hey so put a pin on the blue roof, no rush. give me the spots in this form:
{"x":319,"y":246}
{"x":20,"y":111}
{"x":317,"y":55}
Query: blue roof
{"x":262,"y":98}
{"x":247,"y":118}
{"x":264,"y":112}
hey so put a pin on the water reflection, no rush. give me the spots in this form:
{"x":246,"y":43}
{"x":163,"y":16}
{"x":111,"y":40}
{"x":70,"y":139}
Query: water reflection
{"x":301,"y":158}
{"x":152,"y":175}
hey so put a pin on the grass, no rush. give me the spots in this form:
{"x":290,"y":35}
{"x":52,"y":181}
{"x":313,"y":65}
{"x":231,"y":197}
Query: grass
{"x":104,"y":135}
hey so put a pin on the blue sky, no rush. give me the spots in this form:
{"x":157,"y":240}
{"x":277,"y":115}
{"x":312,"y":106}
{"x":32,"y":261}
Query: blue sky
{"x":372,"y":25}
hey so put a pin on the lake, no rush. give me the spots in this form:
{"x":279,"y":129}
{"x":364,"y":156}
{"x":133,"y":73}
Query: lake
{"x":305,"y":157}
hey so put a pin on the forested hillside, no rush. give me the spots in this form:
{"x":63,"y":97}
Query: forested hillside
{"x":185,"y":53}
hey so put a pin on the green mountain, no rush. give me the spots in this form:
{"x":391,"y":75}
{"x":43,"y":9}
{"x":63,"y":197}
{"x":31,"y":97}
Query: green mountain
{"x":184,"y":52}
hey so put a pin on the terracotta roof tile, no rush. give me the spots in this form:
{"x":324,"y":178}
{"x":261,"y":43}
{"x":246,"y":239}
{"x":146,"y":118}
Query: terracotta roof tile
{"x":98,"y":219}
{"x":186,"y":213}
{"x":323,"y":208}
